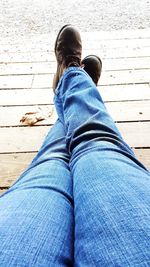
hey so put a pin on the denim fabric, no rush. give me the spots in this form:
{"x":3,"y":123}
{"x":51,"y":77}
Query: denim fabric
{"x":36,"y":213}
{"x":84,"y":200}
{"x":111,"y":187}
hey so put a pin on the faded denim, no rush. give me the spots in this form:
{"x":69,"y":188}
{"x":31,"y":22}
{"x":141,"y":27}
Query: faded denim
{"x":84,"y":200}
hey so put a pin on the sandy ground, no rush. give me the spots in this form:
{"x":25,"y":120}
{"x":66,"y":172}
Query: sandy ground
{"x":30,"y":17}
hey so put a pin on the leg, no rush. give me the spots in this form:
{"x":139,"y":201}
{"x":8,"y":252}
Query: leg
{"x":111,"y":187}
{"x":36,"y":213}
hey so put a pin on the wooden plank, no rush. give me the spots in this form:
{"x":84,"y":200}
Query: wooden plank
{"x":32,"y":56}
{"x":26,"y":81}
{"x":129,"y":111}
{"x":125,"y":77}
{"x":125,"y":92}
{"x":143,"y":156}
{"x":49,"y":67}
{"x":122,"y":52}
{"x":123,"y":45}
{"x":29,"y":46}
{"x":126,"y":63}
{"x":117,"y":35}
{"x":26,"y":97}
{"x":108,"y":78}
{"x":120,"y":111}
{"x":45,"y":80}
{"x":92,"y":42}
{"x":42,"y":80}
{"x":12,"y":165}
{"x":45,"y":96}
{"x":119,"y":52}
{"x":27,"y":68}
{"x":11,"y":82}
{"x":10,"y":116}
{"x":49,"y":39}
{"x":104,"y":53}
{"x":113,"y":43}
{"x":136,"y":134}
{"x":29,"y":139}
{"x":22,"y":139}
{"x":94,"y":35}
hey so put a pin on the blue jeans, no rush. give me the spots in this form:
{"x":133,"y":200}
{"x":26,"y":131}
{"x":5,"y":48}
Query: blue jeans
{"x":84,"y":200}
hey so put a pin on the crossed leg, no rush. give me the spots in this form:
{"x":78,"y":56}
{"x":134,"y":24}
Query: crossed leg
{"x":111,"y":187}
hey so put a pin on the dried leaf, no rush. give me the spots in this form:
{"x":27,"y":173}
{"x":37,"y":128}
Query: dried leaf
{"x":32,"y":117}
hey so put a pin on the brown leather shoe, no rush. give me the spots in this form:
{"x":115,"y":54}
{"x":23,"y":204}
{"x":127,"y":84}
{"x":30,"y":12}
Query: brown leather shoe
{"x":68,"y":49}
{"x":93,"y":66}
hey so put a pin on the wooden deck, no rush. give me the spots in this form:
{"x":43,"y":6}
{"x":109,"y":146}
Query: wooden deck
{"x":26,"y":72}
